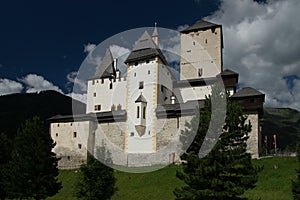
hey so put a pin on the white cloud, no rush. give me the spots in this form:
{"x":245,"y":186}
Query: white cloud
{"x":36,"y":83}
{"x":91,"y":59}
{"x":79,"y":85}
{"x":78,"y":97}
{"x":261,"y":42}
{"x":9,"y":86}
{"x":89,"y":48}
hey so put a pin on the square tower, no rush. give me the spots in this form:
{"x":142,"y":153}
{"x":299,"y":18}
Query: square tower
{"x":201,"y":50}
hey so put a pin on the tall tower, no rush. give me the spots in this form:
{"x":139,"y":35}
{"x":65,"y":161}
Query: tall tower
{"x":143,"y":65}
{"x":201,"y":50}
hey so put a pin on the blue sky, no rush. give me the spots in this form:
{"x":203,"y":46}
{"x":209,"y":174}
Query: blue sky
{"x":43,"y":42}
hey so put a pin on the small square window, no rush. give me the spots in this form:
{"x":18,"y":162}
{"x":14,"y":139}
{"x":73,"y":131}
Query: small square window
{"x":74,"y":134}
{"x":147,"y":61}
{"x":141,"y":85}
{"x":132,"y":134}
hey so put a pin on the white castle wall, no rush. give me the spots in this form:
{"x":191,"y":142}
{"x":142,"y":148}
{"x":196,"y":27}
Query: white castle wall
{"x":200,"y":50}
{"x":71,"y":142}
{"x":254,"y":141}
{"x":99,"y":93}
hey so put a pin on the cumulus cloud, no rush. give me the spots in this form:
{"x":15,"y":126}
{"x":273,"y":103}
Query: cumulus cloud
{"x":261,"y":42}
{"x":78,"y":83}
{"x":9,"y":86}
{"x":91,"y":58}
{"x":36,"y":83}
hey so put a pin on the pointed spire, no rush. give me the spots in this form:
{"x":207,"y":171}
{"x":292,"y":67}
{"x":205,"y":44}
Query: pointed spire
{"x":106,"y":68}
{"x":155,"y":32}
{"x":145,"y":42}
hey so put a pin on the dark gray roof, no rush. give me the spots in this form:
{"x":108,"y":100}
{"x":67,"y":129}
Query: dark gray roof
{"x":227,"y":72}
{"x":145,"y":48}
{"x":200,"y":25}
{"x":246,"y":92}
{"x":141,"y":98}
{"x":106,"y":68}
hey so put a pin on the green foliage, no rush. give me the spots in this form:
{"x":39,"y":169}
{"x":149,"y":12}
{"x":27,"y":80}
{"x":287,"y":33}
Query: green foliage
{"x":226,"y":171}
{"x":296,"y":183}
{"x":97,"y":180}
{"x":33,"y":169}
{"x":5,"y":157}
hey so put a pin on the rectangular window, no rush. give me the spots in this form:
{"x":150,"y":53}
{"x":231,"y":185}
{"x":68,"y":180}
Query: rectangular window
{"x":132,"y":134}
{"x":79,"y":146}
{"x":102,"y":81}
{"x":200,"y":72}
{"x":95,"y":94}
{"x":93,"y":82}
{"x":141,"y":85}
{"x":138,"y":112}
{"x":74,"y":134}
{"x":110,"y":86}
{"x":97,"y":107}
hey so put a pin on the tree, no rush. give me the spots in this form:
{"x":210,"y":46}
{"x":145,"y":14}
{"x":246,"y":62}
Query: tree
{"x":225,"y":171}
{"x":97,"y":179}
{"x":32,"y":172}
{"x":5,"y":157}
{"x":296,"y":183}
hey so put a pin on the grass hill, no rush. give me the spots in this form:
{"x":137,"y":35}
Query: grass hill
{"x":273,"y":182}
{"x":16,"y":108}
{"x":285,"y":122}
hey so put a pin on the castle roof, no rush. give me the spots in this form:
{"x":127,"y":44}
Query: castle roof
{"x":200,"y":25}
{"x":228,"y":72}
{"x":247,"y":92}
{"x":145,"y":48}
{"x":106,"y":68}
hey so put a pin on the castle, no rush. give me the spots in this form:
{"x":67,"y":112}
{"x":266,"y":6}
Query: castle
{"x":139,"y":116}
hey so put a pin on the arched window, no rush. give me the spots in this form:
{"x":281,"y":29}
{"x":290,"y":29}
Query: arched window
{"x":144,"y":112}
{"x":138,"y":112}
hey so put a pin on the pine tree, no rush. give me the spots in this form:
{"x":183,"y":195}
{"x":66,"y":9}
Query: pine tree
{"x":5,"y":157}
{"x":33,"y":169}
{"x":224,"y":172}
{"x":97,"y":181}
{"x":296,"y":183}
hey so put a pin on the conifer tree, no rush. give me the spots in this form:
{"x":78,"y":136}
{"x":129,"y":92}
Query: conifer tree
{"x":226,"y":171}
{"x":97,"y":181}
{"x":33,"y":169}
{"x":5,"y":157}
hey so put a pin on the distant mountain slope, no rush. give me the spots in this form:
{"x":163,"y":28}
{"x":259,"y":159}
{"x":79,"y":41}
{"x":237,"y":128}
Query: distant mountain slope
{"x":16,"y":108}
{"x":285,"y":122}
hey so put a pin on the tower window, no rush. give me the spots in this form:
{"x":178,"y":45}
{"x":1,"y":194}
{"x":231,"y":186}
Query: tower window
{"x":134,"y":74}
{"x":102,"y":81}
{"x":74,"y":134}
{"x":138,"y":112}
{"x":132,"y":134}
{"x":93,"y":82}
{"x":110,"y":86}
{"x":200,"y":72}
{"x":205,"y":41}
{"x":56,"y":134}
{"x":194,"y":43}
{"x":148,"y":71}
{"x":97,"y":107}
{"x":79,"y":146}
{"x":136,"y":64}
{"x":95,"y":94}
{"x":141,"y":84}
{"x":144,"y":112}
{"x":147,"y":61}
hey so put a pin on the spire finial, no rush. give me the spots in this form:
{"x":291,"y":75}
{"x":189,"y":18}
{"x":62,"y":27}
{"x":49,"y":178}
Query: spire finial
{"x":155,"y":33}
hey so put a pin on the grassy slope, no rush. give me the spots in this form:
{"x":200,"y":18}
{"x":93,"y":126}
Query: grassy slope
{"x":273,"y":183}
